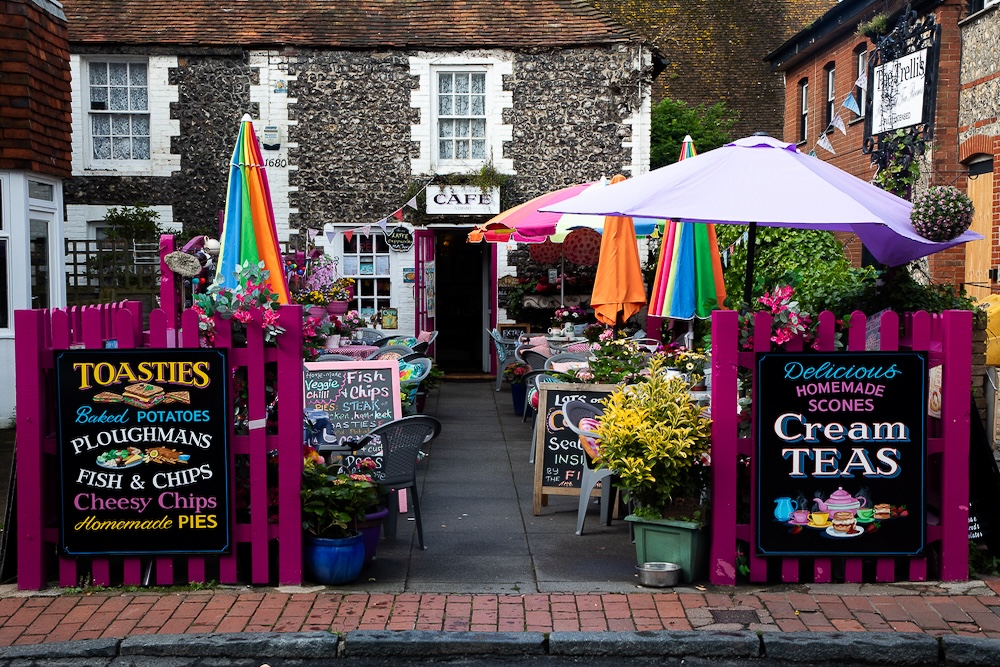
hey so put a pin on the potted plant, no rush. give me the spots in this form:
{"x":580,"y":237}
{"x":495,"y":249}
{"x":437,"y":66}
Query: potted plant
{"x":513,"y":374}
{"x":941,"y":213}
{"x":656,"y":438}
{"x":333,"y":506}
{"x":341,"y":291}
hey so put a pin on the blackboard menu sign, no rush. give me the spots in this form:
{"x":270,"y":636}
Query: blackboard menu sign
{"x":504,"y":287}
{"x":513,"y":331}
{"x":143,"y":451}
{"x":841,"y":445}
{"x":356,"y":396}
{"x":559,"y":457}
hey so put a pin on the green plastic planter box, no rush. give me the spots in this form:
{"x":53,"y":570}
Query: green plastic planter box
{"x":670,"y":541}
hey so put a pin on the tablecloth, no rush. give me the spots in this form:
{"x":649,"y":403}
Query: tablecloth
{"x":354,"y":351}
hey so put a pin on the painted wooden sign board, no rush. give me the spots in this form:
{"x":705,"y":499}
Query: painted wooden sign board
{"x":355,"y":396}
{"x":559,"y":457}
{"x":513,"y":331}
{"x":843,"y":437}
{"x":143,"y":451}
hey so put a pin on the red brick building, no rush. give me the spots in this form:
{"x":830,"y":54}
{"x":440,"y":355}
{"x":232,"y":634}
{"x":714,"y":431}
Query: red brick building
{"x":821,"y":66}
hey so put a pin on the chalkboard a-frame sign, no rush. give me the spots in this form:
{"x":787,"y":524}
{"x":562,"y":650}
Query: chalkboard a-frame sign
{"x":143,"y":451}
{"x":559,"y":457}
{"x":356,"y":396}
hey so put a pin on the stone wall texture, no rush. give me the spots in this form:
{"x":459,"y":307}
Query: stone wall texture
{"x":980,"y":75}
{"x":350,"y":146}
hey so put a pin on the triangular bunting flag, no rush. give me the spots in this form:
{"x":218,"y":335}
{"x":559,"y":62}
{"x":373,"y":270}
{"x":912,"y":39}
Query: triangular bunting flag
{"x":398,"y":214}
{"x":812,"y":153}
{"x":311,"y":233}
{"x":824,"y":142}
{"x":852,"y":104}
{"x":329,"y":232}
{"x":838,"y":123}
{"x":412,"y":203}
{"x":862,"y":81}
{"x":382,"y":224}
{"x":366,"y":230}
{"x":349,"y":234}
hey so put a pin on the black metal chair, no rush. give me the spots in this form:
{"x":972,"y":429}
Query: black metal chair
{"x":400,"y":441}
{"x":534,"y":359}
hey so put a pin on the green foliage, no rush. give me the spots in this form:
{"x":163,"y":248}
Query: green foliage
{"x":433,"y":379}
{"x":656,"y":438}
{"x":332,"y":504}
{"x":816,"y":257}
{"x":981,"y":561}
{"x":874,"y":28}
{"x":709,"y":127}
{"x":132,"y":223}
{"x":902,"y":167}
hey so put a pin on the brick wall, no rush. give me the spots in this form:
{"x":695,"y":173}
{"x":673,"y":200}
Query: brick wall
{"x":34,"y":88}
{"x":943,"y":166}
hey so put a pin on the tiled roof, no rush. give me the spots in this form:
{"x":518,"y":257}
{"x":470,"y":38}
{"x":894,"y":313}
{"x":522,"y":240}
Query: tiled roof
{"x":344,"y":24}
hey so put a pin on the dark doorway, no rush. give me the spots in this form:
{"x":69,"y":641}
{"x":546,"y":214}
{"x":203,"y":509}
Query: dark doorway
{"x":459,"y":301}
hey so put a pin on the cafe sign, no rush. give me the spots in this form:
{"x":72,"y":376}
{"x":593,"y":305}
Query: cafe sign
{"x":462,"y":200}
{"x":143,"y":451}
{"x":841,"y":444}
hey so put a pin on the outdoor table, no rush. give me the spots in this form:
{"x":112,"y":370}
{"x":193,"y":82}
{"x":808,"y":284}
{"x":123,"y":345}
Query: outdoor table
{"x":355,"y":351}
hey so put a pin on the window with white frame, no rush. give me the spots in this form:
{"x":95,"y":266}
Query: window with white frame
{"x":366,"y":259}
{"x":803,"y":109}
{"x":461,"y":115}
{"x":117,"y":109}
{"x":831,"y":94}
{"x":861,"y":74}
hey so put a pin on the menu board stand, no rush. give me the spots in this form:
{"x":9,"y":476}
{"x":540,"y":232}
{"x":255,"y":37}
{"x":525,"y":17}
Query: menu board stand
{"x":559,"y":457}
{"x":354,"y":396}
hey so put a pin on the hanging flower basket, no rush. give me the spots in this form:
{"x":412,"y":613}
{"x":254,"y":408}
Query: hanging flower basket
{"x":941,"y":213}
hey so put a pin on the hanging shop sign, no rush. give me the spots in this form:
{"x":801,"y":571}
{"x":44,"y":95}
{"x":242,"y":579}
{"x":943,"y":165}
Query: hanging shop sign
{"x":143,"y":451}
{"x":841,"y":444}
{"x":898,"y":92}
{"x":505,"y":285}
{"x":400,"y":239}
{"x":462,"y":200}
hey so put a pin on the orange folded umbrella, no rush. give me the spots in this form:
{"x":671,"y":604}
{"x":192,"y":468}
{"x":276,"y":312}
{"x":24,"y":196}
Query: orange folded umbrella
{"x":618,"y":289}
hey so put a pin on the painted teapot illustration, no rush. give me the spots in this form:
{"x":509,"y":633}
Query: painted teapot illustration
{"x":784,"y":507}
{"x":840,"y":501}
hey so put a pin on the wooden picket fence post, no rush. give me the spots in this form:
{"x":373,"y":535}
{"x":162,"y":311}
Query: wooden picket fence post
{"x":42,"y":332}
{"x":947,"y":338}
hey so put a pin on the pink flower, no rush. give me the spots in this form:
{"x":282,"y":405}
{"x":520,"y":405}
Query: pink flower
{"x":243,"y":316}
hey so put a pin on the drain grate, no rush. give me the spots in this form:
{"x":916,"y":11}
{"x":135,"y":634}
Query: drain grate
{"x":741,"y":616}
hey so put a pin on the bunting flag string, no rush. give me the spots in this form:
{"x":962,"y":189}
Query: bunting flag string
{"x":383,"y":223}
{"x":838,"y":123}
{"x":824,"y":142}
{"x":852,"y":104}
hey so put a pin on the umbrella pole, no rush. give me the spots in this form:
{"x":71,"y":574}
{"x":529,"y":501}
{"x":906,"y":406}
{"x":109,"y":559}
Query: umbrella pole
{"x":562,"y":282}
{"x":751,"y":246}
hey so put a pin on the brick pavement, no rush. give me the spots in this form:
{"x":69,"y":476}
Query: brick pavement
{"x":968,"y":608}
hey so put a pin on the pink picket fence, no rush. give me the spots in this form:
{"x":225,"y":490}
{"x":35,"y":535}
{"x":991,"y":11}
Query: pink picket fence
{"x":265,"y":439}
{"x":947,"y":338}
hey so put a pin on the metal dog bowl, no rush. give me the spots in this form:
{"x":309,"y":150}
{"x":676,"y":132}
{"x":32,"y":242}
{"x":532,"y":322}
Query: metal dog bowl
{"x":659,"y":575}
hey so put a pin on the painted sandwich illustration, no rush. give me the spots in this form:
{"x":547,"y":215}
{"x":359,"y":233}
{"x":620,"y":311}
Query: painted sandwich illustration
{"x":143,"y":395}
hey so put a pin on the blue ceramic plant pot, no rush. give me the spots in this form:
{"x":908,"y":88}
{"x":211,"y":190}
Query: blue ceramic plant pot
{"x":333,"y":561}
{"x":517,"y":391}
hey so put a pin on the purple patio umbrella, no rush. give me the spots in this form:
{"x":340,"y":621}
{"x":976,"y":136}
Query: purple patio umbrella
{"x":759,"y":180}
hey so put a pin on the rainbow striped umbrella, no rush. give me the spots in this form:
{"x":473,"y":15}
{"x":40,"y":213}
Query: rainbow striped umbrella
{"x":688,"y":280}
{"x":248,"y":231}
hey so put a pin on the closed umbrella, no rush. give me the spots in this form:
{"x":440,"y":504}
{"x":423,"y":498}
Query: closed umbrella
{"x":759,"y":180}
{"x":248,"y":232}
{"x":688,"y":280}
{"x":618,"y":290}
